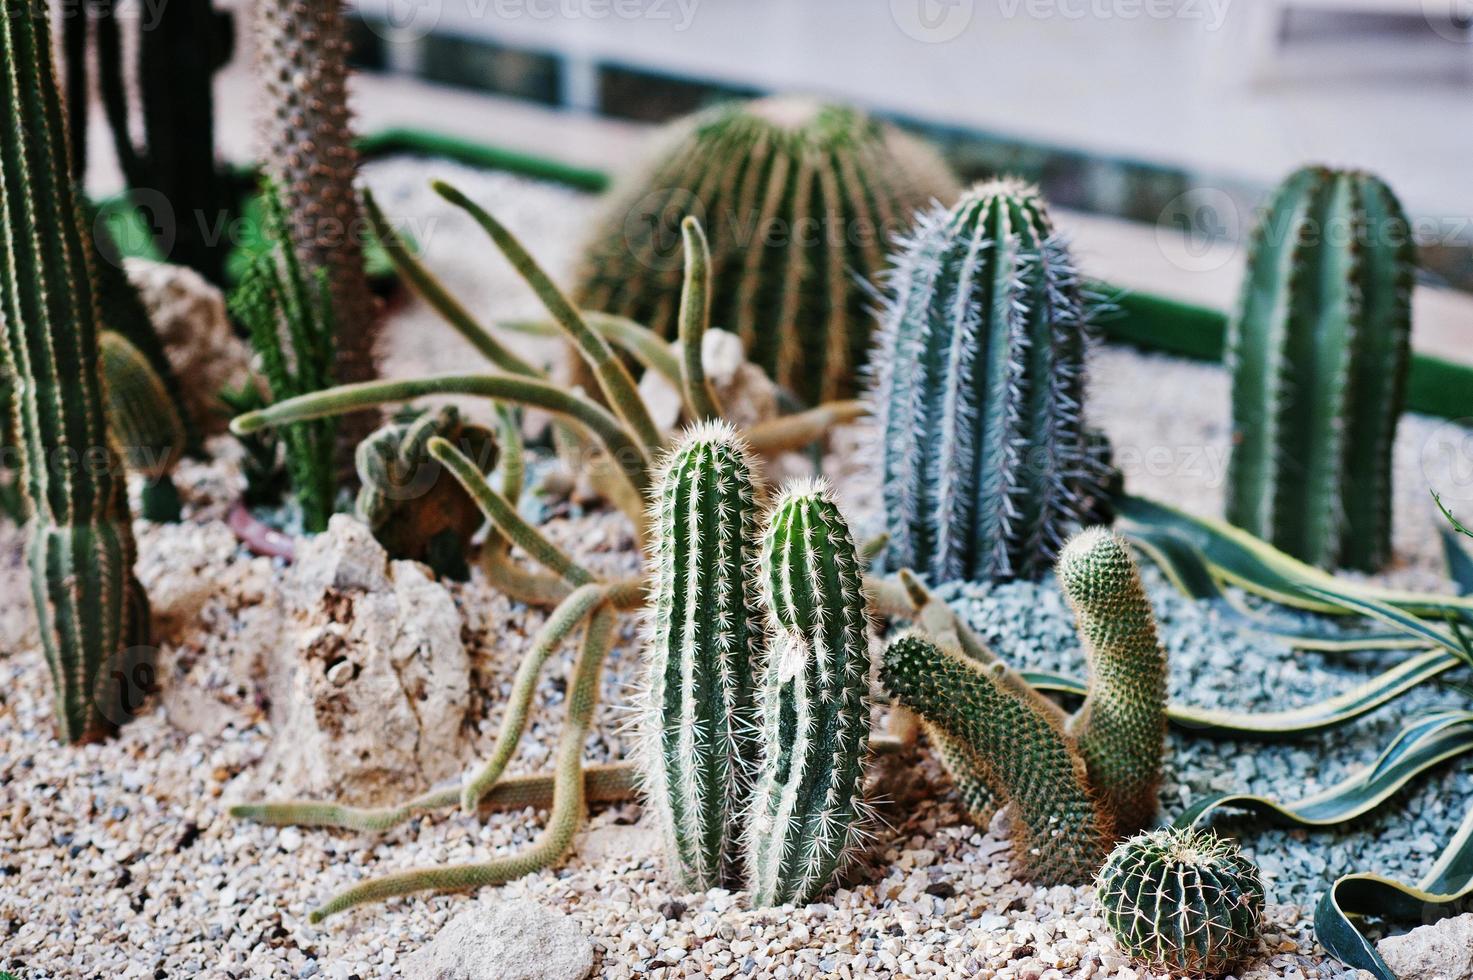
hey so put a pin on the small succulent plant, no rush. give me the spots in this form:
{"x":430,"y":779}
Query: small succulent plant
{"x":1182,"y":901}
{"x":1319,"y":350}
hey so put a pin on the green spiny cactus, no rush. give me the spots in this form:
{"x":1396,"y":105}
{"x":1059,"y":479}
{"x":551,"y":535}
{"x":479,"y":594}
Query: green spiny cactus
{"x":704,"y":642}
{"x":978,"y":389}
{"x":808,"y":814}
{"x":799,"y":199}
{"x":1319,"y":350}
{"x":144,"y":423}
{"x":1006,"y":736}
{"x":416,"y":510}
{"x":92,"y":612}
{"x":1182,"y":901}
{"x":1121,"y":729}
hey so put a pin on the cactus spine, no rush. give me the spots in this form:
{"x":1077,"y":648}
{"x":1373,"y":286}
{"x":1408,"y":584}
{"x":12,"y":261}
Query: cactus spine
{"x":799,"y":199}
{"x":978,"y":388}
{"x":808,"y":813}
{"x":1182,"y":901}
{"x":90,"y":607}
{"x":704,"y":641}
{"x":1121,"y":729}
{"x":1319,"y":351}
{"x":144,"y":423}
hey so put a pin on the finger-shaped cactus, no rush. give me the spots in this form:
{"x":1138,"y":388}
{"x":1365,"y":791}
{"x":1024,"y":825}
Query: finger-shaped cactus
{"x":416,"y":510}
{"x":703,"y":644}
{"x":1013,"y":741}
{"x":90,"y":608}
{"x":1121,"y":729}
{"x":799,"y":199}
{"x":145,"y":425}
{"x":1182,"y":901}
{"x":1319,"y":350}
{"x":978,"y":388}
{"x":808,"y":814}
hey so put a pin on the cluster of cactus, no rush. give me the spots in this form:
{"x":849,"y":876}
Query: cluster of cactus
{"x":978,"y":392}
{"x":1183,"y":902}
{"x":1074,"y":784}
{"x":800,"y":199}
{"x":93,"y":614}
{"x":290,"y":315}
{"x":178,"y":49}
{"x":1319,"y":350}
{"x":414,"y":510}
{"x":302,"y":63}
{"x":144,"y":423}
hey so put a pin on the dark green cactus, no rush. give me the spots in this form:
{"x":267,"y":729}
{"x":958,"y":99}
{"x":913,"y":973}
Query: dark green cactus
{"x":978,"y":389}
{"x":1182,"y":902}
{"x":93,"y":613}
{"x":808,"y":814}
{"x":704,"y":643}
{"x":415,"y":509}
{"x":799,"y":200}
{"x":1319,"y":350}
{"x":144,"y":423}
{"x":1121,"y":729}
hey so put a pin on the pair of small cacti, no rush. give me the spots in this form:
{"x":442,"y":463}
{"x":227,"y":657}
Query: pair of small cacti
{"x":755,"y":724}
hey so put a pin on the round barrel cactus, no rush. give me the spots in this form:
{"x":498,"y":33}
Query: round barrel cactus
{"x":799,"y":200}
{"x":1182,"y":901}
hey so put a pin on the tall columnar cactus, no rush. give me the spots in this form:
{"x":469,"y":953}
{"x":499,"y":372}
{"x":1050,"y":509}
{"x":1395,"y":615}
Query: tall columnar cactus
{"x":1319,"y":350}
{"x":808,"y":813}
{"x":416,"y":510}
{"x":799,"y":200}
{"x":1121,"y":729}
{"x":307,"y":145}
{"x":91,"y":609}
{"x":704,"y":643}
{"x":1182,"y":902}
{"x":145,"y":425}
{"x":1002,"y":734}
{"x":978,"y":389}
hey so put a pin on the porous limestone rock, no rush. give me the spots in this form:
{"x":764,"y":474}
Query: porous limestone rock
{"x":505,"y":940}
{"x":1440,"y":951}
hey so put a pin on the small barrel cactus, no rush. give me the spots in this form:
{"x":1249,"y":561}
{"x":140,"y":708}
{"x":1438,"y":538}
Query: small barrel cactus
{"x":799,"y":199}
{"x":415,"y":509}
{"x":1319,"y":350}
{"x":146,"y":426}
{"x":703,"y":645}
{"x":1121,"y":729}
{"x":978,"y":390}
{"x":808,"y":813}
{"x":1182,"y":901}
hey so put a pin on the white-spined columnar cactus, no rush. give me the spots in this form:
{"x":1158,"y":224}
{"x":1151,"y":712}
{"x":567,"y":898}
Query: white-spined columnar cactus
{"x":978,"y":389}
{"x":704,"y":642}
{"x":808,"y":813}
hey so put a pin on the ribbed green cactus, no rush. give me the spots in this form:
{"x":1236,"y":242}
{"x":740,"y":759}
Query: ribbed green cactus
{"x":704,"y":643}
{"x":93,"y":613}
{"x":1182,"y":901}
{"x":144,"y":423}
{"x":799,"y":200}
{"x":1319,"y":350}
{"x":415,"y":509}
{"x":1005,"y":736}
{"x":808,"y":813}
{"x":1121,"y":729}
{"x":978,"y":389}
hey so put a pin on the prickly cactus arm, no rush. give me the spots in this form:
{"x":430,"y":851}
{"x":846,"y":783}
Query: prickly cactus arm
{"x":81,"y":550}
{"x":142,"y":419}
{"x":808,"y":814}
{"x":1121,"y":729}
{"x":978,"y":797}
{"x":703,"y":644}
{"x":1015,"y":743}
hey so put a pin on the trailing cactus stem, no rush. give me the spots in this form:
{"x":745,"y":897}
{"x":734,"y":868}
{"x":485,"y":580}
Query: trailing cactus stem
{"x":791,"y":432}
{"x":695,"y":317}
{"x":569,"y":803}
{"x":1121,"y":729}
{"x":703,"y":642}
{"x":808,"y":813}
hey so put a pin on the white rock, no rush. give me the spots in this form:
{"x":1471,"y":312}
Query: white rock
{"x":747,"y":395}
{"x":515,"y":940}
{"x":1440,"y":951}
